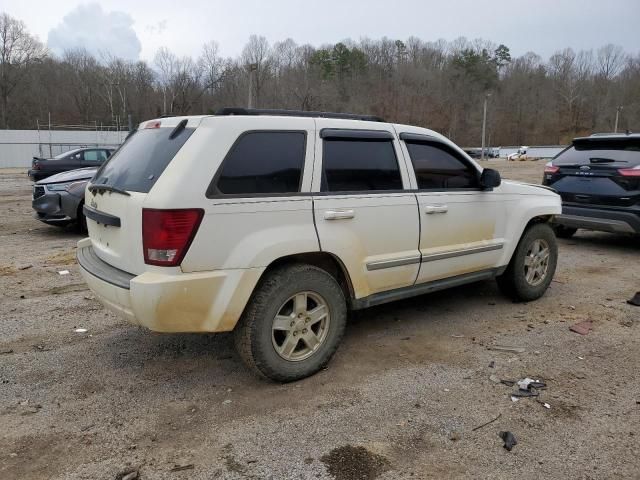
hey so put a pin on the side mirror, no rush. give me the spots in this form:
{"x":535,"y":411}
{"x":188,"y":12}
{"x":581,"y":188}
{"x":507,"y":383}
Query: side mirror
{"x":490,"y":179}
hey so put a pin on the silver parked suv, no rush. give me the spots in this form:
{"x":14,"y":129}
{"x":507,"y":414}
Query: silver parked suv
{"x":274,"y":224}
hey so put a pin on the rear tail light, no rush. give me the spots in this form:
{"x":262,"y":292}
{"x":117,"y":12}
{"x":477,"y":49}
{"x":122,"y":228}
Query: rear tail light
{"x":36,"y":166}
{"x":167,"y":234}
{"x":152,"y":124}
{"x":550,"y":168}
{"x":630,"y":172}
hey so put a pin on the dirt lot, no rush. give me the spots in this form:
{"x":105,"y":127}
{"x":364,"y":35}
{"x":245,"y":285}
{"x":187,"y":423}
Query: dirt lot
{"x":401,"y":398}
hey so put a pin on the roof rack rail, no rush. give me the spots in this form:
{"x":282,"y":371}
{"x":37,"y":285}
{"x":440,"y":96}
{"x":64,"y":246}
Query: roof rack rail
{"x":296,"y":113}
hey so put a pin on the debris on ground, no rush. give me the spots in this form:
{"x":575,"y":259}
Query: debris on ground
{"x":529,"y":383}
{"x":180,"y":468}
{"x":509,"y":439}
{"x":635,"y":301}
{"x":507,"y":348}
{"x":349,"y":462}
{"x":5,"y":352}
{"x":487,"y":423}
{"x":492,"y":364}
{"x":495,"y":379}
{"x":25,"y":267}
{"x":81,"y":330}
{"x":583,"y":328}
{"x":63,"y":272}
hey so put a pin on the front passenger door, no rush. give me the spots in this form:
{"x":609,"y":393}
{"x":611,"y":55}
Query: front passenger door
{"x":462,"y":226}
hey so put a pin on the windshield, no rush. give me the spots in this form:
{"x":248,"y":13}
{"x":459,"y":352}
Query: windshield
{"x":140,"y":161}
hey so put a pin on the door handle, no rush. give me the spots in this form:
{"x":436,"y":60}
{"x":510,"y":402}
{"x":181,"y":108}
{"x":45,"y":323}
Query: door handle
{"x":339,"y":214}
{"x":431,"y":209}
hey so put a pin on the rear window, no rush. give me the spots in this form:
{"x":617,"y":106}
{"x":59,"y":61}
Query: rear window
{"x":594,"y":151}
{"x":139,"y":162}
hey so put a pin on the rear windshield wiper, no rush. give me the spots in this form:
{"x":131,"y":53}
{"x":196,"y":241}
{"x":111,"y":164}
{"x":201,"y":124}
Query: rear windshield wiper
{"x":107,"y":188}
{"x":605,"y":160}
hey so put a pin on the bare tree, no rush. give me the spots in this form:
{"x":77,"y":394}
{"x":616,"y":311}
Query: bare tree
{"x":18,"y":49}
{"x":256,"y":52}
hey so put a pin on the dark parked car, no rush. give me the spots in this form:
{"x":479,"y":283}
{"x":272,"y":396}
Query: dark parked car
{"x":58,"y":200}
{"x":598,"y":178}
{"x":79,"y":158}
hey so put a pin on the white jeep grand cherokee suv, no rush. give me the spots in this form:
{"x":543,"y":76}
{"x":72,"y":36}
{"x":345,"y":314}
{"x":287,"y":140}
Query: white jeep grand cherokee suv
{"x":274,"y":224}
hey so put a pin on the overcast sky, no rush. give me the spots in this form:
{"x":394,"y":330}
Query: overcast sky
{"x":136,"y":29}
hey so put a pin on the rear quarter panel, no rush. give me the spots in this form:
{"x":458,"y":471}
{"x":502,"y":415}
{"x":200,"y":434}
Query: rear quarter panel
{"x":236,"y":232}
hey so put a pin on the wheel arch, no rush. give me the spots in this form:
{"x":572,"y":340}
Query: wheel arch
{"x":323,"y":260}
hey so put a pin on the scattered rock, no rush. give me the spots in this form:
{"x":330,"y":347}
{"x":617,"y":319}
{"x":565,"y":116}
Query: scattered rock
{"x":625,"y":323}
{"x":583,"y":328}
{"x":509,"y":439}
{"x":494,"y":379}
{"x":128,"y":474}
{"x":635,"y":301}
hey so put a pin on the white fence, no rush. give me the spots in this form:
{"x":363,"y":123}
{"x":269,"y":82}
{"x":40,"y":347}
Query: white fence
{"x":18,"y":147}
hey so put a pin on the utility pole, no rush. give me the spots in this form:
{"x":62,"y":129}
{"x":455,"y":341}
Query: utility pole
{"x":484,"y":124}
{"x":615,"y":128}
{"x":252,"y":68}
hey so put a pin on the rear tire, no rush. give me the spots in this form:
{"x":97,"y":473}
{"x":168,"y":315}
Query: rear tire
{"x":532,"y":266}
{"x":564,"y":232}
{"x":292,"y":324}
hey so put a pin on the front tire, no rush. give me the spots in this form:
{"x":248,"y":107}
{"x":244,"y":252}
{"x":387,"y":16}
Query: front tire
{"x":293,"y":323}
{"x":532,"y":266}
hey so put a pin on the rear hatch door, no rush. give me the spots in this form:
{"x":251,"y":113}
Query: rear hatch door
{"x":597,"y":171}
{"x":115,"y":197}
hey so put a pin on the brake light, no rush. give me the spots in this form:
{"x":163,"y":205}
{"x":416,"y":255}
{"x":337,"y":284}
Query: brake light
{"x":550,"y":168}
{"x":36,"y":166}
{"x":152,"y":124}
{"x":167,"y":234}
{"x":630,"y":172}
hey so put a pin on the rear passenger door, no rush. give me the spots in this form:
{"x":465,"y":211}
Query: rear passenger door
{"x":462,"y":226}
{"x":363,"y":214}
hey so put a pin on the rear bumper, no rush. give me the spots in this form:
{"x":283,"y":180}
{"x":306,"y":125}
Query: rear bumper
{"x":184,"y":302}
{"x":605,"y":220}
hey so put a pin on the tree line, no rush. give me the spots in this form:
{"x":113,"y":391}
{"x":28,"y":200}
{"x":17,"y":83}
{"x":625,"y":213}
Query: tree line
{"x":440,"y":85}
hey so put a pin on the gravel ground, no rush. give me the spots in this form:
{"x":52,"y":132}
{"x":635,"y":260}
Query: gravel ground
{"x":401,"y":398}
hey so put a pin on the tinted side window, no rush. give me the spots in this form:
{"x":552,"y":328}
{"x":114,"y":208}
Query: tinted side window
{"x":263,"y":162}
{"x":437,"y":167}
{"x":359,"y":165}
{"x":92,"y":155}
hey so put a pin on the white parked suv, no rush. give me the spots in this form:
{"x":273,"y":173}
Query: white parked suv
{"x":274,"y":224}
